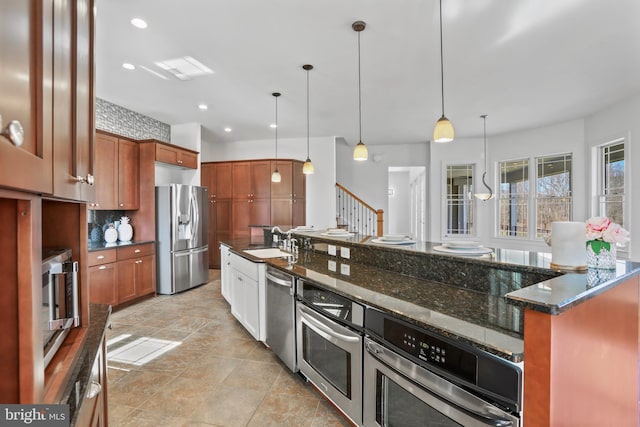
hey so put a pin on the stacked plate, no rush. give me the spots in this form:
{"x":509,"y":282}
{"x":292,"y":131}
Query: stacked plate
{"x":394,"y":239}
{"x":304,"y":228}
{"x":463,"y":247}
{"x":337,"y":232}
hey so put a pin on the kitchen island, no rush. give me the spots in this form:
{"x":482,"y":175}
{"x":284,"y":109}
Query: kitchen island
{"x":581,"y":335}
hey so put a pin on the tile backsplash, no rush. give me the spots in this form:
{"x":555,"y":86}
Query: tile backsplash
{"x":122,"y":121}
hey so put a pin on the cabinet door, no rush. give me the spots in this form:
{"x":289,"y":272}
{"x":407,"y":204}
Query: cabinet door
{"x":281,"y":212}
{"x":241,"y":176}
{"x":145,"y":275}
{"x":224,"y":183}
{"x":260,"y":179}
{"x":299,"y":212}
{"x":283,"y":188}
{"x":126,"y":280}
{"x":299,"y":183}
{"x":106,"y":172}
{"x":72,"y":153}
{"x":260,"y":211}
{"x":225,"y":273}
{"x":241,"y":212}
{"x":251,"y":307}
{"x":188,"y":159}
{"x":128,"y":175}
{"x":102,"y":284}
{"x":25,"y":55}
{"x":207,"y":178}
{"x":237,"y":295}
{"x":166,"y":154}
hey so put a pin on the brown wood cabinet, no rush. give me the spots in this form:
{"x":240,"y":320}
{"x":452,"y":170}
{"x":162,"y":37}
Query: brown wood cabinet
{"x":174,"y":155}
{"x":93,"y":412}
{"x":26,"y":58}
{"x":288,"y":197}
{"x":241,"y":194}
{"x":217,"y":177}
{"x":72,"y":113}
{"x":122,"y":274}
{"x":117,"y":173}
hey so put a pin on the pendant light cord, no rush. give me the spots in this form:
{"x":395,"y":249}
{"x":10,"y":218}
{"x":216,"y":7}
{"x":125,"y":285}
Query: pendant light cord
{"x":359,"y":93}
{"x":441,"y":62}
{"x":307,"y":113}
{"x":276,"y":133}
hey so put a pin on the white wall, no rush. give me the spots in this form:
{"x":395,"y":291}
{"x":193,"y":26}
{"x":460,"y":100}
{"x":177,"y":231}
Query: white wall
{"x":567,"y":137}
{"x":321,"y":207}
{"x":620,"y":120}
{"x":399,"y":217}
{"x":369,"y":180}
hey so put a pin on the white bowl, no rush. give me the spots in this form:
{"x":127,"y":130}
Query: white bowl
{"x":394,"y":237}
{"x":461,"y":244}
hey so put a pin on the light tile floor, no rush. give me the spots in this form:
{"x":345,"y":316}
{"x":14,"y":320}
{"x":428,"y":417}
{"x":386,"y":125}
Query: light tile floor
{"x":197,"y":366}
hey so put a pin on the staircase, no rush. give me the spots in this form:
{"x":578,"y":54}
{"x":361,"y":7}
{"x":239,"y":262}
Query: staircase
{"x":355,"y":215}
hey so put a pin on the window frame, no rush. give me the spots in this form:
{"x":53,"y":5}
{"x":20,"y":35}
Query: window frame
{"x":446,"y":202}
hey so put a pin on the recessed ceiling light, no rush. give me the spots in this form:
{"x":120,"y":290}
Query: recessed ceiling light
{"x":128,"y":66}
{"x":185,"y":68}
{"x":273,"y":125}
{"x":227,"y":129}
{"x":138,"y":23}
{"x":203,"y":106}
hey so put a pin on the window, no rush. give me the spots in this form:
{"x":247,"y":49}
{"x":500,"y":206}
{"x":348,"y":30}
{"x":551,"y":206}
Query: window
{"x":611,"y":192}
{"x":459,"y":204}
{"x":514,"y":198}
{"x":551,"y":201}
{"x":553,"y":192}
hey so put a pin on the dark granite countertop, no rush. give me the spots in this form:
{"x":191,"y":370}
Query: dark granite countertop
{"x":98,"y":246}
{"x":553,"y":295}
{"x":98,"y":321}
{"x":476,"y":299}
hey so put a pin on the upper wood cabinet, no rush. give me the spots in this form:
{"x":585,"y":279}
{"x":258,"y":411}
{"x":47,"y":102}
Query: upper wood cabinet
{"x":117,"y":176}
{"x":73,"y":171}
{"x":174,"y":155}
{"x":218,"y":179}
{"x":251,"y":179}
{"x":26,"y":58}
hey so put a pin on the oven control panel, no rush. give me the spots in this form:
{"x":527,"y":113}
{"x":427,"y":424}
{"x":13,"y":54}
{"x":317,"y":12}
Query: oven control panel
{"x":431,"y":350}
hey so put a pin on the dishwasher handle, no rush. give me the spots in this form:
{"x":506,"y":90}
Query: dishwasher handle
{"x":279,"y":281}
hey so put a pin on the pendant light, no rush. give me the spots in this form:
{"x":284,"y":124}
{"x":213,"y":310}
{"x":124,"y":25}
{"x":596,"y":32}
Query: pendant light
{"x":275,"y":176}
{"x":489,"y":195}
{"x":360,"y":153}
{"x":443,"y":131}
{"x":308,"y":168}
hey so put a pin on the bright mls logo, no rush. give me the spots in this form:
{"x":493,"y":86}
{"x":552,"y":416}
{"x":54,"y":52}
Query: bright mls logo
{"x":34,"y":415}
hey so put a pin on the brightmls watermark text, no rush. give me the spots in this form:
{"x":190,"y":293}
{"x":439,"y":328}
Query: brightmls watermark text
{"x":34,"y":415}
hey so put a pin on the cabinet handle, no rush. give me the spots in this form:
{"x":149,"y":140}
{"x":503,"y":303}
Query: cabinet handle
{"x":139,"y":261}
{"x":85,"y":180}
{"x":13,"y":132}
{"x":180,"y":161}
{"x":121,"y":204}
{"x":100,"y":256}
{"x":137,"y":251}
{"x":102,"y":267}
{"x":94,"y":390}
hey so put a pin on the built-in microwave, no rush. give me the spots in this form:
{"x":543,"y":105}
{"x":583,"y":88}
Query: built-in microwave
{"x":60,"y":310}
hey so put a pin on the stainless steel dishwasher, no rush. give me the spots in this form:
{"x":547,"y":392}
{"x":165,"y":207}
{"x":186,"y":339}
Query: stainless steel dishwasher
{"x":281,"y":318}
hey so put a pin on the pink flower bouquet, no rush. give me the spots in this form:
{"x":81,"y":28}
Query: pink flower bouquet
{"x":601,"y":228}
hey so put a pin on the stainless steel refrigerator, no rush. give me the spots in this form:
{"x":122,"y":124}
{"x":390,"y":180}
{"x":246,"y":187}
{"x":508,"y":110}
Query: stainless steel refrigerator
{"x":181,"y":235}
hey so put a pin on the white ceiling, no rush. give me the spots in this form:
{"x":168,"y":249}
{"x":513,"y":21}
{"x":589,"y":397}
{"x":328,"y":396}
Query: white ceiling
{"x":525,"y":63}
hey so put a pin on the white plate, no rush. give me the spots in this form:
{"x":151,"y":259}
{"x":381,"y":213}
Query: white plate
{"x":462,"y":251}
{"x":304,"y":228}
{"x":343,"y":234}
{"x":336,"y":231}
{"x":406,"y":241}
{"x":394,"y":237}
{"x":461,"y":244}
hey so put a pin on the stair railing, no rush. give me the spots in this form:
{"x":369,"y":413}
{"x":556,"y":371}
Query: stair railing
{"x":354,"y":215}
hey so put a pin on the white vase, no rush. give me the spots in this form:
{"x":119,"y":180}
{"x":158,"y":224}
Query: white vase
{"x":110,"y":235}
{"x":125,"y":232}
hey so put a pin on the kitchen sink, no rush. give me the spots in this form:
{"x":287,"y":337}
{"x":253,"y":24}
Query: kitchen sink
{"x":267,"y":253}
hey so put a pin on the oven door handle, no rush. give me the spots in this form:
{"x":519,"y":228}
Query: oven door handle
{"x":473,"y":406}
{"x":320,"y":327}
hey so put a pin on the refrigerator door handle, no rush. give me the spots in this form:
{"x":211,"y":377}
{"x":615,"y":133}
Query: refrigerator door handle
{"x":200,"y":250}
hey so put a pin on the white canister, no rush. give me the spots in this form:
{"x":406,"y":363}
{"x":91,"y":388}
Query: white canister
{"x":568,"y":240}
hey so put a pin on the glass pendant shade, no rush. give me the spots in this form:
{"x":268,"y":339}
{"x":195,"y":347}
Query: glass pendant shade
{"x":308,"y":168}
{"x":443,"y":131}
{"x":360,"y":153}
{"x":275,"y":176}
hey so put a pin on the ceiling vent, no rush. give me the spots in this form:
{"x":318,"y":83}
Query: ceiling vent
{"x":185,"y":68}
